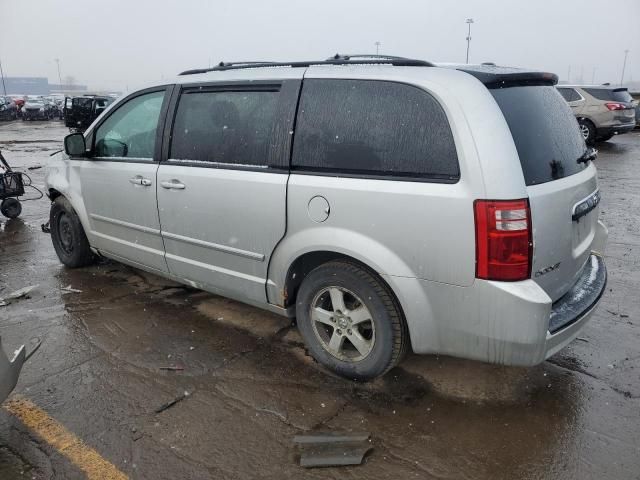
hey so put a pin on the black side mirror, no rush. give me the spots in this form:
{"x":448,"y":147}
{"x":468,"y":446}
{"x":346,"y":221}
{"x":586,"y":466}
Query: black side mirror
{"x":74,"y":145}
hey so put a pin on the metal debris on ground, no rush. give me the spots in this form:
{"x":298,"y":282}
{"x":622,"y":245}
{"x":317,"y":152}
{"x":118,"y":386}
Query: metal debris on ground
{"x":16,"y":295}
{"x":172,"y":368}
{"x":69,"y":289}
{"x":170,"y":404}
{"x":332,"y":449}
{"x":35,"y":167}
{"x":46,"y":227}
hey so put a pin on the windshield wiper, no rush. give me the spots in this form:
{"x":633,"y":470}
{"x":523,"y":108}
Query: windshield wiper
{"x":590,"y":154}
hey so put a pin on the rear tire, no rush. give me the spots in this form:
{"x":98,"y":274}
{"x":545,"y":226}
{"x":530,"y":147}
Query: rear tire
{"x":588,"y":130}
{"x":68,"y":237}
{"x":350,"y":321}
{"x":11,"y":208}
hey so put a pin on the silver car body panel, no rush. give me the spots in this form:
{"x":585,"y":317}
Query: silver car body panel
{"x":10,"y":370}
{"x":237,"y":232}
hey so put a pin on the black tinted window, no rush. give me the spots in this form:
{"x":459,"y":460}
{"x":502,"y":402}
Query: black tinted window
{"x":569,"y":94}
{"x":373,"y":127}
{"x":544,"y":130}
{"x":614,"y":95}
{"x":224,"y":127}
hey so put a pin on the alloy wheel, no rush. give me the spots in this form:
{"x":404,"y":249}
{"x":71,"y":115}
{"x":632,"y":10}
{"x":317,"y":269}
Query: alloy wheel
{"x":343,"y":324}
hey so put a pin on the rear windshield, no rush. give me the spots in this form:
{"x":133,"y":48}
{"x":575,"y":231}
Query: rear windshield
{"x":544,"y":130}
{"x":617,"y":95}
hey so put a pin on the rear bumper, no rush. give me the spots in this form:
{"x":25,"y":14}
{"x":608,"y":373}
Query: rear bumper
{"x":615,"y":130}
{"x":508,"y":323}
{"x":571,"y":312}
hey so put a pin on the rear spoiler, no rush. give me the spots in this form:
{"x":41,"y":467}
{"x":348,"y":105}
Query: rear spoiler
{"x":502,"y":77}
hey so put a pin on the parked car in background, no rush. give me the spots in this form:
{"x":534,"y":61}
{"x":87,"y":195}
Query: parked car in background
{"x":8,"y":109}
{"x":35,"y":108}
{"x":18,"y":100}
{"x":636,"y":97}
{"x":453,"y":208}
{"x":80,"y":112}
{"x":602,"y":110}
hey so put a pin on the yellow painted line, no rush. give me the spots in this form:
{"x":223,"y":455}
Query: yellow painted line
{"x":65,"y":442}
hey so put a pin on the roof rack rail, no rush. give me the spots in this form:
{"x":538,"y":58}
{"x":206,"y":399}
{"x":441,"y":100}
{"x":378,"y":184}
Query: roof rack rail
{"x":337,"y":59}
{"x":375,"y":56}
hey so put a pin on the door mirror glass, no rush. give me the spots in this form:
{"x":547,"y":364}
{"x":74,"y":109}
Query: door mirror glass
{"x":74,"y":145}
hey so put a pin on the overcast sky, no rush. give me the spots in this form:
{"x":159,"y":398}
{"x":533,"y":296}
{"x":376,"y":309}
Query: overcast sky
{"x":118,"y":44}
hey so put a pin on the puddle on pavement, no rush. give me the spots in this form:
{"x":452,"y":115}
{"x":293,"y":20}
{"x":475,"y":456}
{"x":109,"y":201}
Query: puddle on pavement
{"x":13,"y":467}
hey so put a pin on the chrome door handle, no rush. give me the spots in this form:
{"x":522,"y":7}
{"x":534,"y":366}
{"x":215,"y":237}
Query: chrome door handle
{"x":139,"y":180}
{"x":173,"y":184}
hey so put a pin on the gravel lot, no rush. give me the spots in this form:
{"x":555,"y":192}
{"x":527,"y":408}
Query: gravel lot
{"x":252,"y":387}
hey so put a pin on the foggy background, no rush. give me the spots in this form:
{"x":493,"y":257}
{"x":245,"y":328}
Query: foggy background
{"x":118,"y":44}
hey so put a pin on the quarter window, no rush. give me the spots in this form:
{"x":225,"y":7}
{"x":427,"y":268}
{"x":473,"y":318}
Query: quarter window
{"x":373,"y":127}
{"x":225,"y":127}
{"x":569,"y":94}
{"x":130,"y":131}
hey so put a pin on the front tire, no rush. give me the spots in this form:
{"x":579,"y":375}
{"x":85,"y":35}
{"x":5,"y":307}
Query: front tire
{"x":68,"y":237}
{"x":350,"y":321}
{"x":588,"y":131}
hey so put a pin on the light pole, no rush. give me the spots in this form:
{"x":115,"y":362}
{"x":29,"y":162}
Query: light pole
{"x":593,"y":76}
{"x":469,"y":21}
{"x":624,"y":64}
{"x":377,"y":44}
{"x":59,"y":76}
{"x":4,"y":87}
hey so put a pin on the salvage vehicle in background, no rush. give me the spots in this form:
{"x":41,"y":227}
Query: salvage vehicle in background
{"x":36,"y":108}
{"x":8,"y":109}
{"x":636,"y":98}
{"x":80,"y":112}
{"x":602,"y":110}
{"x":283,"y":187}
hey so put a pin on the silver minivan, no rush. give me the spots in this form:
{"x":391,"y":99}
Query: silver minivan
{"x":384,"y":203}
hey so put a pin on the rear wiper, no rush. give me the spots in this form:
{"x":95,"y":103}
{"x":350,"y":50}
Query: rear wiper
{"x":589,"y":155}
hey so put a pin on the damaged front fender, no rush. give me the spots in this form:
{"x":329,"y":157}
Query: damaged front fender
{"x":10,"y":370}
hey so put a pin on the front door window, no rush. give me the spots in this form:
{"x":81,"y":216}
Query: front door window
{"x":130,"y":132}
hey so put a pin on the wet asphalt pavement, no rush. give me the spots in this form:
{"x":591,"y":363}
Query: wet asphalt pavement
{"x":252,"y":387}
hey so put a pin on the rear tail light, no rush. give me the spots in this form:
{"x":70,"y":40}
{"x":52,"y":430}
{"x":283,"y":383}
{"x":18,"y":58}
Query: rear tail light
{"x":615,"y":106}
{"x":504,"y":249}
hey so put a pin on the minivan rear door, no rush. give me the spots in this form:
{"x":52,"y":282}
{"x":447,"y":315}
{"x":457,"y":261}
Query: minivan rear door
{"x":222,"y":185}
{"x":561,"y":186}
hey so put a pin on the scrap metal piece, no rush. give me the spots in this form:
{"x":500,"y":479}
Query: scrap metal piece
{"x":171,"y":403}
{"x":331,"y":437}
{"x":16,"y":295}
{"x":332,"y":449}
{"x":10,"y":370}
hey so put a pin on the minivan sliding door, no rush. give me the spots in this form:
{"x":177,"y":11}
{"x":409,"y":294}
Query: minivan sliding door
{"x":222,"y":187}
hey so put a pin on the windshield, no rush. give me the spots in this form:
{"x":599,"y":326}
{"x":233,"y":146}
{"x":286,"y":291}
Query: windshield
{"x":544,"y":130}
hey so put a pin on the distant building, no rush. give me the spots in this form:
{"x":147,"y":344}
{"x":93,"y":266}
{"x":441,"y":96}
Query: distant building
{"x":27,"y":85}
{"x":55,"y":88}
{"x":36,"y":86}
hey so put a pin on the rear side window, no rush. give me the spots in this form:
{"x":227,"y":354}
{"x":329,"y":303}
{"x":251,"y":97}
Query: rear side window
{"x":615,"y":95}
{"x":223,"y":127}
{"x":373,"y":127}
{"x":544,"y":130}
{"x":569,"y":94}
